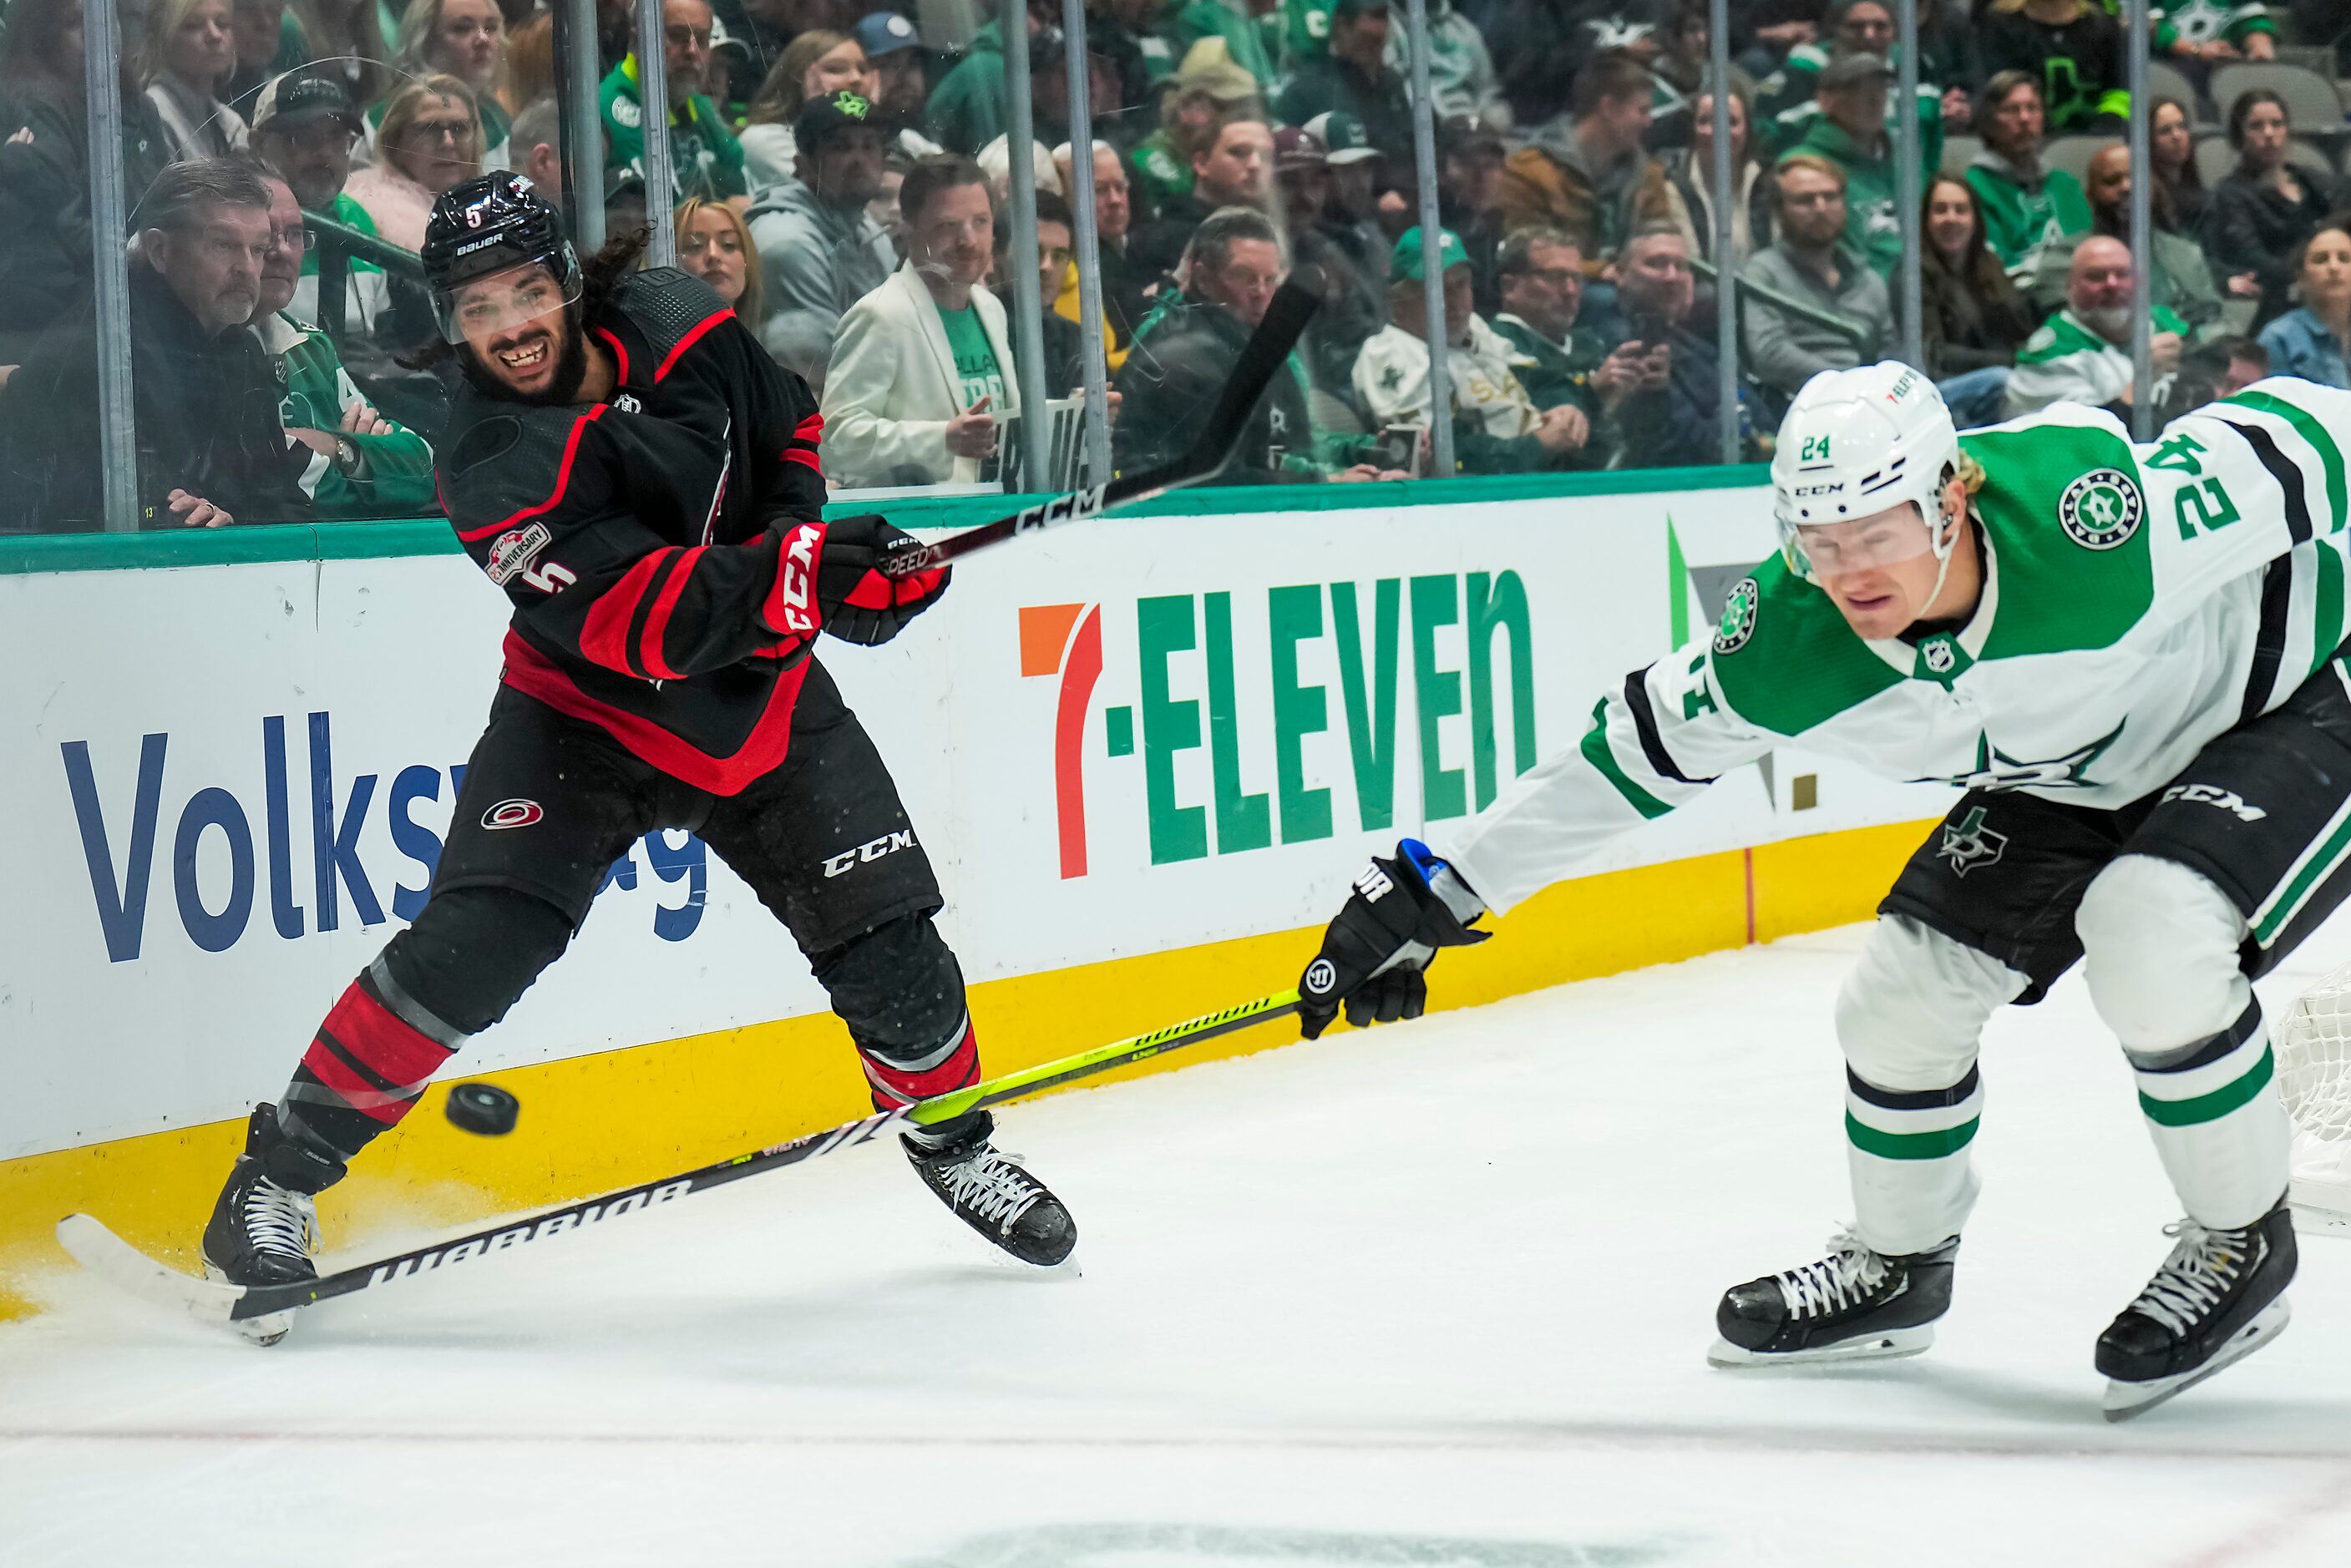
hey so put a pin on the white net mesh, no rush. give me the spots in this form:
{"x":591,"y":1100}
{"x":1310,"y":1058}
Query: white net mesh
{"x":2313,"y":1073}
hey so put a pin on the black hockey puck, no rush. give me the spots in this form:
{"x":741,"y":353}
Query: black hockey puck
{"x":483,"y":1109}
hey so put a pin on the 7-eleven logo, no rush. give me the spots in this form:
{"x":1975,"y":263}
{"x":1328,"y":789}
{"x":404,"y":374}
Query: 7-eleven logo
{"x":1066,"y":640}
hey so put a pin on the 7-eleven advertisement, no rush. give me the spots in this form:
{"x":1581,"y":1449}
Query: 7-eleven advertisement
{"x":1124,"y":737}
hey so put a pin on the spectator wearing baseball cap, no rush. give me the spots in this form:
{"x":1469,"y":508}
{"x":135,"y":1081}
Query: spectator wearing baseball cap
{"x":1187,"y":22}
{"x":1353,"y":75}
{"x":1852,"y":132}
{"x":1497,"y":428}
{"x":1354,"y":293}
{"x":893,"y":48}
{"x":820,"y":249}
{"x":304,"y":128}
{"x":1208,"y":85}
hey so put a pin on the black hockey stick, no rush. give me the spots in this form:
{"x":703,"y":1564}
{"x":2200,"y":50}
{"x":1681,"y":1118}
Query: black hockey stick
{"x":104,"y":1253}
{"x":1263,"y":358}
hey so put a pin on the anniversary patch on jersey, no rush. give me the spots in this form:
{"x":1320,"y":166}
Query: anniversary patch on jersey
{"x":1737,"y":617}
{"x":516,"y":550}
{"x":2101,"y":509}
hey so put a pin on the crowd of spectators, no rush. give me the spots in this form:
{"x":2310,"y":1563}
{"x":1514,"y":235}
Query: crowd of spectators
{"x":839,"y":175}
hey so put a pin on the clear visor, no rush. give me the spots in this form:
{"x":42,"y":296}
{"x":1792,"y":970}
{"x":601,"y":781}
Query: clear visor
{"x":1858,"y":545}
{"x":485,"y":307}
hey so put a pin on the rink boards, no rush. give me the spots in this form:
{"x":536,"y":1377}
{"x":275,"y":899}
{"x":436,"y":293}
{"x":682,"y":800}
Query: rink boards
{"x":1144,"y":755}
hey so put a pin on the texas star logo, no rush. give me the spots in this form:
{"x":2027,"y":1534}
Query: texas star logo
{"x":2101,"y":509}
{"x":1737,"y":617}
{"x":1970,"y":844}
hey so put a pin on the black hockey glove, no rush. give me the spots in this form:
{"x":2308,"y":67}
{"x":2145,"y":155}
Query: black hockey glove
{"x":1374,"y":954}
{"x":857,"y":602}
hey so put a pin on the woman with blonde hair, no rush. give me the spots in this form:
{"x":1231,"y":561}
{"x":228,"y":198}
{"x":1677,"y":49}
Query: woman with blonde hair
{"x":462,"y":38}
{"x":430,"y":141}
{"x":188,"y":53}
{"x":714,"y":244}
{"x":816,"y":63}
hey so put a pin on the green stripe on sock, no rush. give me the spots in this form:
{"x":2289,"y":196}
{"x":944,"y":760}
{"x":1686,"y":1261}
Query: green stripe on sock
{"x":2210,"y":1107}
{"x":2330,"y":456}
{"x":1596,"y":752}
{"x":1909,"y":1146}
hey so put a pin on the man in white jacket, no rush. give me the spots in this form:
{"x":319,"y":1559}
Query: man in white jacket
{"x":922,"y":369}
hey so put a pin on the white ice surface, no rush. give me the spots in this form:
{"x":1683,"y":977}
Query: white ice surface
{"x":1435,"y":1295}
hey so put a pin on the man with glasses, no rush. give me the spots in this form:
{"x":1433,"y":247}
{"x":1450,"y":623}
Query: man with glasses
{"x":211,"y":449}
{"x":304,"y":127}
{"x":705,"y":159}
{"x":361,"y":465}
{"x":1541,"y":286}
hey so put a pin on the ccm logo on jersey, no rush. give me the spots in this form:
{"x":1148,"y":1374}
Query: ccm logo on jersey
{"x":513,"y":813}
{"x":515,"y":553}
{"x":2228,"y":800}
{"x":871,"y":849}
{"x":792,"y":574}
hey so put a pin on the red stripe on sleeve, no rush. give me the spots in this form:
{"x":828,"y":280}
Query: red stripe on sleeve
{"x":693,"y":337}
{"x":801,"y":455}
{"x":379,"y":1041}
{"x":619,"y":355}
{"x":604,"y":638}
{"x":810,"y":428}
{"x":562,"y":483}
{"x":649,"y":646}
{"x":357,"y":1092}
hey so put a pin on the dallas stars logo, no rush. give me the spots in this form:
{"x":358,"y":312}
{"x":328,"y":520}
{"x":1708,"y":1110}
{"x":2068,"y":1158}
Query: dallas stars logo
{"x":2101,"y":509}
{"x":1737,"y":617}
{"x":850,"y":104}
{"x":1970,"y":844}
{"x":1995,"y":769}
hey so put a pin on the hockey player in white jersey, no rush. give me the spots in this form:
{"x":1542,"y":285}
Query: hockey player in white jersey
{"x":2129,"y":659}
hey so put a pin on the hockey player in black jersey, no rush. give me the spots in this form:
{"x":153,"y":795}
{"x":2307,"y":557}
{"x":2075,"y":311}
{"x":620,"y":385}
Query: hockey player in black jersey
{"x":642,"y":481}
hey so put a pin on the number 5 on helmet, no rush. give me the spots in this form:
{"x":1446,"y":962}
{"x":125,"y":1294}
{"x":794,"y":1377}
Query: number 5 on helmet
{"x":1374,"y":954}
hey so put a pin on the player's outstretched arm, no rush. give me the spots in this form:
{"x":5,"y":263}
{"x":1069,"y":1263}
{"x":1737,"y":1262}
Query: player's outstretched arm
{"x":1655,"y":744}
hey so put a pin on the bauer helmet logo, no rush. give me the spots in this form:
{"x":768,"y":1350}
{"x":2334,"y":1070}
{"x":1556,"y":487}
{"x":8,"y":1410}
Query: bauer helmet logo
{"x":1320,"y":976}
{"x":517,"y":813}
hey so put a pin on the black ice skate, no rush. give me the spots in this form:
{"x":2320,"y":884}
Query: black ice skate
{"x":991,"y":1193}
{"x":265,"y":1227}
{"x":2217,"y":1299}
{"x":1852,"y":1304}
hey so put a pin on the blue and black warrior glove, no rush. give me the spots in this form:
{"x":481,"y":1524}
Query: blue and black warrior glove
{"x":1374,"y":953}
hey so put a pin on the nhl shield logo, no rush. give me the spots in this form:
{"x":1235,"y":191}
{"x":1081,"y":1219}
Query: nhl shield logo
{"x":1970,"y":844}
{"x":2101,"y":509}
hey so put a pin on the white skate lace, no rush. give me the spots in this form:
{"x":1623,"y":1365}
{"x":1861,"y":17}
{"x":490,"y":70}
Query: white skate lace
{"x":991,"y":1186}
{"x":1843,"y":1279}
{"x":279,"y":1220}
{"x":2201,"y":1269}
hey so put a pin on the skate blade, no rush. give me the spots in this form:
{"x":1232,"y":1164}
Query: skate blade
{"x":2318,"y":1208}
{"x":2124,"y":1400}
{"x":264,"y":1331}
{"x":1891,"y":1345}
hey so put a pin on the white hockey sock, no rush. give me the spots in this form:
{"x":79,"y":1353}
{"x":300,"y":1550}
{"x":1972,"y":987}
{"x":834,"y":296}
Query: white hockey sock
{"x":1913,"y":1183}
{"x":2218,"y":1126}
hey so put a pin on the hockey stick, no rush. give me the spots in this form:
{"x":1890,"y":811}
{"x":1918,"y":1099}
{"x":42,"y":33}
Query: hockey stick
{"x":104,"y":1253}
{"x":1262,"y":357}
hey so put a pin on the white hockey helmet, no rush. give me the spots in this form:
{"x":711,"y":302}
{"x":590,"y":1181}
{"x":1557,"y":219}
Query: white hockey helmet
{"x":1856,"y":442}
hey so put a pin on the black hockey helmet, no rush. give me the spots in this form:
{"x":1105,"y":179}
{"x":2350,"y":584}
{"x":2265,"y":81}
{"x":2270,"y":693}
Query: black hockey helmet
{"x":487,"y":226}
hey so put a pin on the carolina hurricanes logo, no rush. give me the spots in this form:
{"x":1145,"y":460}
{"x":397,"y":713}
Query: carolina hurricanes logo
{"x":512,"y":813}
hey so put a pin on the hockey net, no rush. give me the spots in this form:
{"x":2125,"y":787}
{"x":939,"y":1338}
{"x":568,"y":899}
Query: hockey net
{"x":2313,"y":1073}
